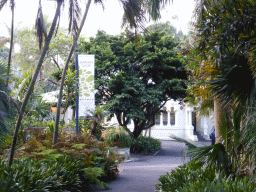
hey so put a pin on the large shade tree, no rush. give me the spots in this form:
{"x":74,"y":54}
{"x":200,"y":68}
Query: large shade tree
{"x":133,"y":16}
{"x":135,"y":12}
{"x":134,"y":80}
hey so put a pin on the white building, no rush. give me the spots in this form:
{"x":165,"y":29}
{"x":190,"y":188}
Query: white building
{"x":179,"y":120}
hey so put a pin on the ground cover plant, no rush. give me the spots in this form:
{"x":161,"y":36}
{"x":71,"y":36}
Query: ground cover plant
{"x":193,"y":176}
{"x":145,"y":145}
{"x":75,"y":163}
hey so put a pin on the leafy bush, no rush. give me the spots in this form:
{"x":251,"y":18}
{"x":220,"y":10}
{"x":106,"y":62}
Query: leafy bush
{"x":63,"y":173}
{"x":193,"y":177}
{"x":83,"y":148}
{"x":117,"y":137}
{"x":145,"y":145}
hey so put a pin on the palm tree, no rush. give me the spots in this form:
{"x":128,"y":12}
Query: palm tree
{"x":12,"y":5}
{"x":225,"y":31}
{"x":226,"y":40}
{"x":33,"y":81}
{"x":134,"y":16}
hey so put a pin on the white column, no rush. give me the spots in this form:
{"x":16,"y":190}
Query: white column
{"x":175,"y":117}
{"x":161,"y":119}
{"x":168,"y":118}
{"x":190,"y":118}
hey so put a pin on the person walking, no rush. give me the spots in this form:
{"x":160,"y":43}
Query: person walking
{"x":212,"y":136}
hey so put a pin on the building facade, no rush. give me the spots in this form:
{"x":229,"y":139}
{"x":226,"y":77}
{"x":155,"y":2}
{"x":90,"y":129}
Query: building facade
{"x":177,"y":119}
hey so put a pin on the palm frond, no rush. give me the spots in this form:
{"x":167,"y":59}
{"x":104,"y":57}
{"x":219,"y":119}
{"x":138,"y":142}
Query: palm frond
{"x":4,"y":103}
{"x":190,"y":144}
{"x":208,"y":155}
{"x":228,"y":87}
{"x":154,"y":7}
{"x":2,"y":3}
{"x":99,"y":2}
{"x":74,"y":16}
{"x":40,"y":28}
{"x":134,"y":16}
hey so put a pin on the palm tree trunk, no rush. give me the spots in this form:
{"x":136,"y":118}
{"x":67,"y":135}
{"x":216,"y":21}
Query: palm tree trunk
{"x":55,"y":135}
{"x":31,"y":86}
{"x":11,"y":45}
{"x":218,"y":114}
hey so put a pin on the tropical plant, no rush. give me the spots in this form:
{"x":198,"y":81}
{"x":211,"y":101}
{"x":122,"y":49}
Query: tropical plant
{"x":224,"y":45}
{"x":145,"y":145}
{"x":49,"y":175}
{"x":12,"y":5}
{"x":117,"y":137}
{"x":195,"y":177}
{"x":133,"y":17}
{"x":5,"y":104}
{"x":33,"y":81}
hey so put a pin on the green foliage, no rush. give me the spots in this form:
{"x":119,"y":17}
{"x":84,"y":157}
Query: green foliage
{"x":145,"y":145}
{"x":57,"y":174}
{"x":193,"y":177}
{"x":70,"y":88}
{"x":51,"y":126}
{"x":134,"y":79}
{"x":6,"y":109}
{"x":117,"y":137}
{"x":85,"y":149}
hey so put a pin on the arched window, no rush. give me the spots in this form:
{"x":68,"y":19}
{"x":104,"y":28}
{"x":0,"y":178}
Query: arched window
{"x":172,"y":116}
{"x":165,"y":116}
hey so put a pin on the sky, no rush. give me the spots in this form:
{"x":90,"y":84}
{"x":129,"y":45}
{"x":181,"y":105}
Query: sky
{"x":108,"y":20}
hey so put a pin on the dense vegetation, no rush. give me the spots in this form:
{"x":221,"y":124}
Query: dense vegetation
{"x":221,"y":62}
{"x":136,"y":75}
{"x":196,"y":177}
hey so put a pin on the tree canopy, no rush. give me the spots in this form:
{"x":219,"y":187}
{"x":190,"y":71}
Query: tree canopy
{"x":135,"y":76}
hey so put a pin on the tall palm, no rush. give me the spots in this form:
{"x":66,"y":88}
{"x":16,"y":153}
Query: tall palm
{"x":134,"y":15}
{"x":31,"y":86}
{"x":226,"y":39}
{"x":12,"y":5}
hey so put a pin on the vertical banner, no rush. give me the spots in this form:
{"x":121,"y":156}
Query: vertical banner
{"x":86,"y":84}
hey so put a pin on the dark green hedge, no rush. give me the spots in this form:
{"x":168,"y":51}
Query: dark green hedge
{"x":145,"y":145}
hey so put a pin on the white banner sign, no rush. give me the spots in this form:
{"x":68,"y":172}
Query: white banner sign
{"x":86,"y":84}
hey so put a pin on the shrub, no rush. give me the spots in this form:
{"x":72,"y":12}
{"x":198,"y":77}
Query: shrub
{"x":83,"y":148}
{"x":117,"y":137}
{"x":193,"y":177}
{"x":62,"y":174}
{"x":145,"y":145}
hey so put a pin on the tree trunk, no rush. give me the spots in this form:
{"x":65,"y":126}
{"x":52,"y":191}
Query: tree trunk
{"x":218,"y":114}
{"x":31,"y":86}
{"x":137,"y":131}
{"x":11,"y":46}
{"x":55,"y":135}
{"x":138,"y":128}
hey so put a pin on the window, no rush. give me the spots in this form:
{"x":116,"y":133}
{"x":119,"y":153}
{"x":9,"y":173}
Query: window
{"x":172,"y":116}
{"x":165,"y":117}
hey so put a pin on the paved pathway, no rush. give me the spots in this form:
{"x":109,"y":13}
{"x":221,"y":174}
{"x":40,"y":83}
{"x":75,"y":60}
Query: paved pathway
{"x":143,"y":171}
